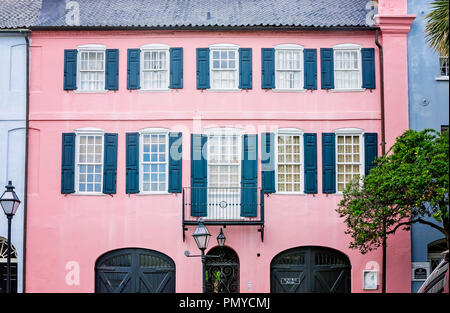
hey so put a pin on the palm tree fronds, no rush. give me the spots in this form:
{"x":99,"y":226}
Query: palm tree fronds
{"x":437,"y":26}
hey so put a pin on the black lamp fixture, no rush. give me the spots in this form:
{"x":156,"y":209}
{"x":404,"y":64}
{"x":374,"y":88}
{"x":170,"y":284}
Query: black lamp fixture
{"x":9,"y":203}
{"x":221,"y":239}
{"x":201,"y":236}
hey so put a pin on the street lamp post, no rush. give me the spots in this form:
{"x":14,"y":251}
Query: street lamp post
{"x":9,"y":202}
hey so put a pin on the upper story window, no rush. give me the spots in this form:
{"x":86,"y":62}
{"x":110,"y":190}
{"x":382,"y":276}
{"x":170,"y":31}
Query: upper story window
{"x":443,"y":65}
{"x":89,"y":161}
{"x":289,"y":67}
{"x":154,"y":160}
{"x":224,"y":65}
{"x":289,"y":156}
{"x":349,"y":160}
{"x":91,"y":69}
{"x":347,"y":66}
{"x":155,"y":67}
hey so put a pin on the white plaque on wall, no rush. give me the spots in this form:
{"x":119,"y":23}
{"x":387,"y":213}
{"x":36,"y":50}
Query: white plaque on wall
{"x":420,"y":271}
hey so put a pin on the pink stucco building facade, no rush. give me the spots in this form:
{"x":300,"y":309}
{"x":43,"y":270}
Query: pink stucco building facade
{"x":67,"y":233}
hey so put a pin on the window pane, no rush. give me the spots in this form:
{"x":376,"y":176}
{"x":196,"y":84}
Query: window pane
{"x":154,"y":162}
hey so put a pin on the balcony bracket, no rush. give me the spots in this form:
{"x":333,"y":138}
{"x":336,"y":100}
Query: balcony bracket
{"x":184,"y":233}
{"x":261,"y":230}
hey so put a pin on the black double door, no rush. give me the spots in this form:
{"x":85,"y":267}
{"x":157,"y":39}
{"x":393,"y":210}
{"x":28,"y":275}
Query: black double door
{"x":135,"y":271}
{"x":310,"y":270}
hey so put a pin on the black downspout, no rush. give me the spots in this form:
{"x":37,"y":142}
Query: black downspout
{"x":25,"y":197}
{"x":383,"y":150}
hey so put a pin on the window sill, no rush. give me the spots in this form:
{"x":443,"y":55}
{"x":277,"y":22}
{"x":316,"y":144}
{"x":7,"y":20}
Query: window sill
{"x":153,"y":193}
{"x":90,"y":91}
{"x":288,"y":90}
{"x":442,"y":78}
{"x":155,"y":90}
{"x":224,"y":90}
{"x":290,"y":193}
{"x":90,"y":194}
{"x":349,"y":90}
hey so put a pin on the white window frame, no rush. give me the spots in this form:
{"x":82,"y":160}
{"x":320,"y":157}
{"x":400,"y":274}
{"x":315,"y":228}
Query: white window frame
{"x":348,"y":47}
{"x":150,"y":48}
{"x":294,"y":47}
{"x":298,"y":132}
{"x":221,"y":47}
{"x":90,"y":48}
{"x":88,"y":132}
{"x":350,"y":132}
{"x":442,"y":77}
{"x":152,"y":131}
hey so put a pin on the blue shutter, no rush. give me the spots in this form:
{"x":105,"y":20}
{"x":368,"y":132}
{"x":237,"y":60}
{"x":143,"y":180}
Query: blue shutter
{"x":132,"y":162}
{"x":68,"y":163}
{"x":268,"y":162}
{"x":198,"y":175}
{"x":368,"y":68}
{"x":249,"y":176}
{"x":310,"y":152}
{"x":70,"y":69}
{"x":133,"y":68}
{"x":268,"y":68}
{"x":110,"y":164}
{"x":245,"y":68}
{"x":176,"y":68}
{"x":112,"y":69}
{"x":327,"y":68}
{"x":203,"y":68}
{"x":310,"y":68}
{"x":175,"y":160}
{"x":328,"y":163}
{"x":370,"y":151}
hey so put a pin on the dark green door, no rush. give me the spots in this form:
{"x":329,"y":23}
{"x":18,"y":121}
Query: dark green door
{"x":310,"y":270}
{"x":135,"y":271}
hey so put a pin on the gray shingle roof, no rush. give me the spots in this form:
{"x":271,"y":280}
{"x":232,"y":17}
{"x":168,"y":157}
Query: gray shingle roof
{"x":191,"y":13}
{"x":19,"y":13}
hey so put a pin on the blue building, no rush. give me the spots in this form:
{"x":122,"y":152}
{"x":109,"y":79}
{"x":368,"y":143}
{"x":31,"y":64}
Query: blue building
{"x":13,"y":112}
{"x":428,"y":108}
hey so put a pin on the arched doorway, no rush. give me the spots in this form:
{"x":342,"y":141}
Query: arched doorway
{"x":222,"y":270}
{"x":3,"y":266}
{"x":134,"y":270}
{"x":310,"y":270}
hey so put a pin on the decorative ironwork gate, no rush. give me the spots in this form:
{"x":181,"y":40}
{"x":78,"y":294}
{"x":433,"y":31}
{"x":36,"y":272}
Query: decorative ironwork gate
{"x":135,"y":271}
{"x":310,"y":270}
{"x":222,"y":271}
{"x":3,"y":266}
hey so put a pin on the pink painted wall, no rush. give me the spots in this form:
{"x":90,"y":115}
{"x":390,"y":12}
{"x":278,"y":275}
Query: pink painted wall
{"x":77,"y":228}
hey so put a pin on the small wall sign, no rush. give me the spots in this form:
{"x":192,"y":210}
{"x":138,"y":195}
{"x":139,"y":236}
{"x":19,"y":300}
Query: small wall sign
{"x":420,"y":271}
{"x":370,"y":280}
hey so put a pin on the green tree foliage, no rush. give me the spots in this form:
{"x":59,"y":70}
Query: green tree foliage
{"x":437,"y":25}
{"x":408,"y":185}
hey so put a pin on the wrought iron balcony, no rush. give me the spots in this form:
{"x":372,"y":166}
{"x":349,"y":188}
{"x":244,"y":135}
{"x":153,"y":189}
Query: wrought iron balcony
{"x":223,"y":206}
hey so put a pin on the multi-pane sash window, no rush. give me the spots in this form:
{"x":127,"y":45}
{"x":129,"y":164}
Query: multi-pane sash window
{"x":224,"y":68}
{"x":288,"y":69}
{"x":289,"y":165}
{"x":154,"y":162}
{"x":347,"y":68}
{"x":92,"y":70}
{"x":349,"y":159}
{"x":90,"y":163}
{"x":155,"y":69}
{"x":443,"y":63}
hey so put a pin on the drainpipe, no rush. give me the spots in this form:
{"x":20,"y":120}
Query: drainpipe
{"x":383,"y":150}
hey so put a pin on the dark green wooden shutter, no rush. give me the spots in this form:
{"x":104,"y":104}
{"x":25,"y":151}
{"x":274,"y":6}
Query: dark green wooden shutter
{"x":132,"y":162}
{"x":310,"y":152}
{"x":175,"y":160}
{"x":199,"y":176}
{"x":68,"y":163}
{"x":110,"y":164}
{"x":70,"y":69}
{"x":370,"y":151}
{"x":133,"y":68}
{"x":310,"y":68}
{"x":268,"y":68}
{"x":112,"y":69}
{"x":245,"y":68}
{"x":176,"y":68}
{"x":268,"y":162}
{"x":327,"y":68}
{"x":249,"y":176}
{"x":328,"y":163}
{"x":203,"y":68}
{"x":368,"y":68}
